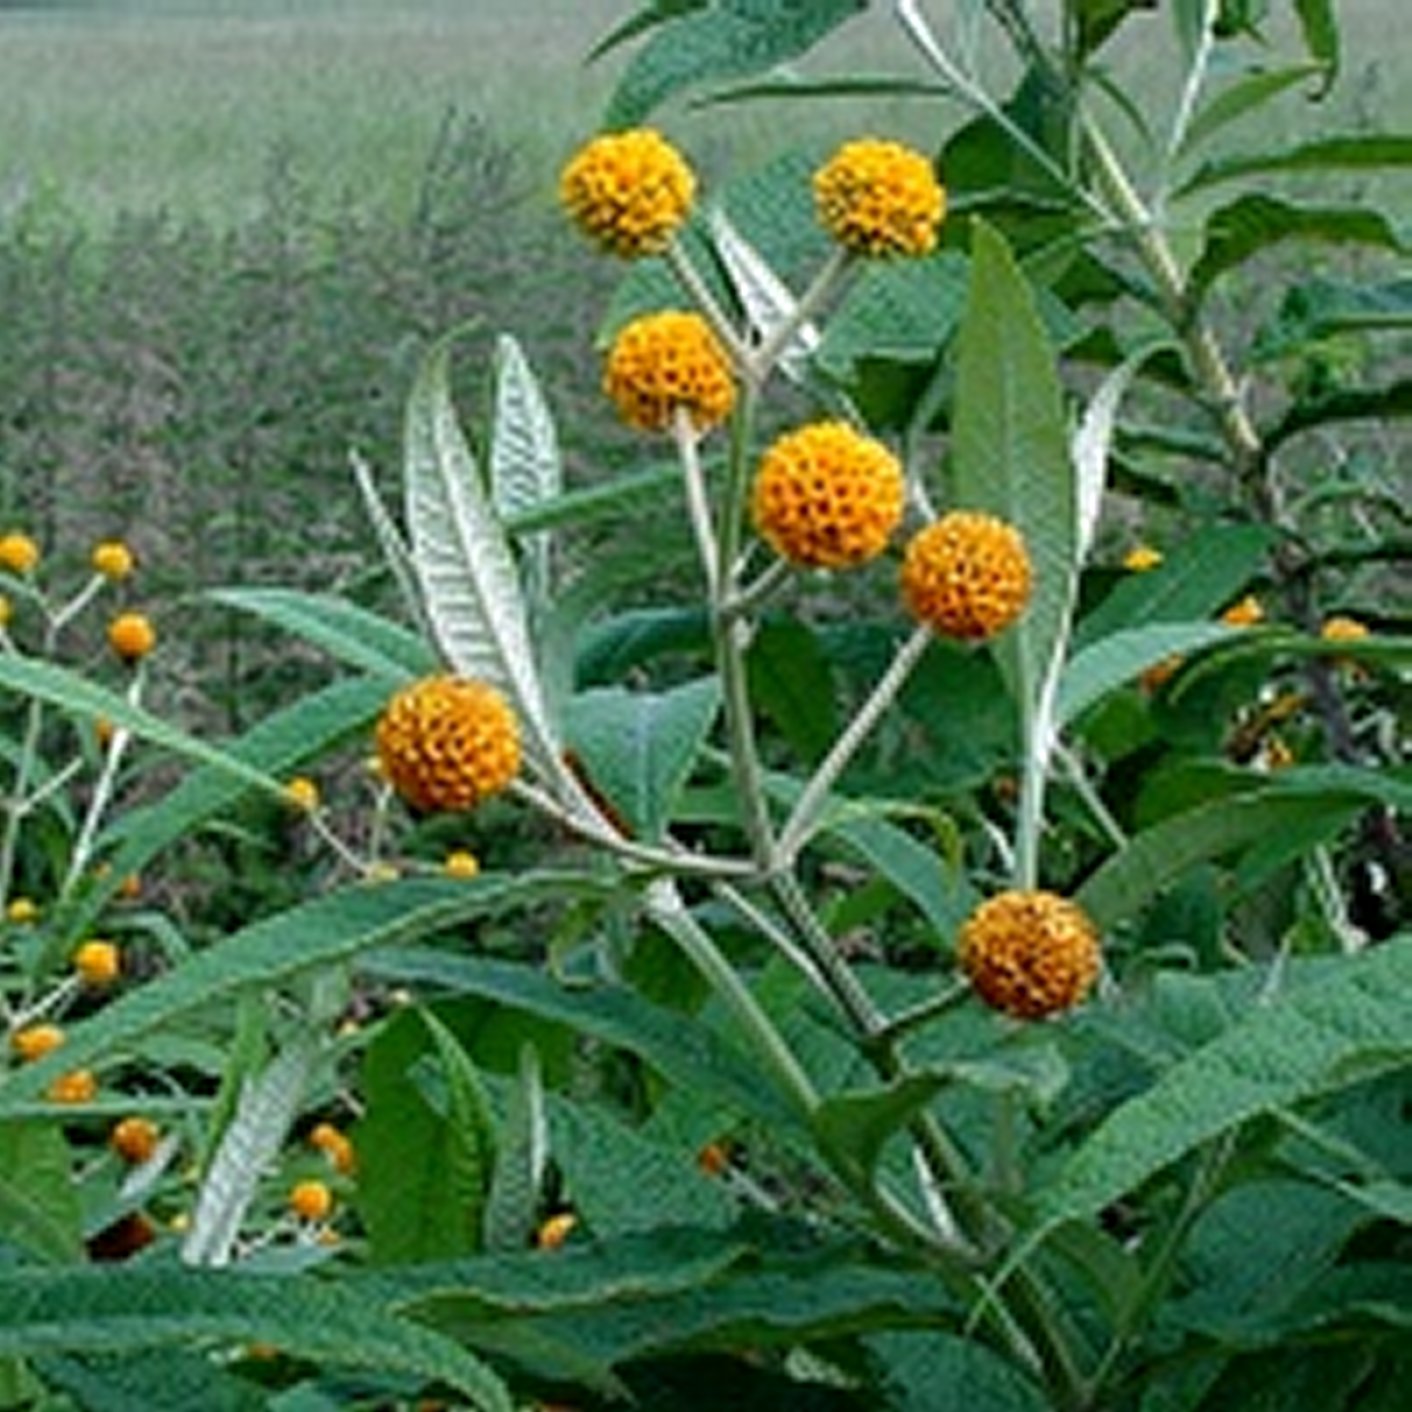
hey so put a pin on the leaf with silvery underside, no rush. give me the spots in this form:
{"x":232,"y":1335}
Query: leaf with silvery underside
{"x":395,"y":552}
{"x":1311,"y":1040}
{"x":469,"y":582}
{"x":525,"y":467}
{"x":267,"y":1108}
{"x":767,"y":300}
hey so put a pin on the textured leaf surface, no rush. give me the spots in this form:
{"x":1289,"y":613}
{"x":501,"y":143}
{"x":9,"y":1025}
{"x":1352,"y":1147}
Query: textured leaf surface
{"x":342,"y":629}
{"x":1158,"y":856}
{"x":1254,"y":223}
{"x":39,"y":1209}
{"x":679,"y":1047}
{"x":271,"y":952}
{"x":1010,"y":448}
{"x":468,"y":576}
{"x":730,"y":39}
{"x":924,"y":1371}
{"x":1198,"y":576}
{"x":525,"y":466}
{"x":1310,"y":1040}
{"x":640,"y":746}
{"x":1090,"y":674}
{"x":426,"y":1145}
{"x":126,"y":1308}
{"x":1354,"y":153}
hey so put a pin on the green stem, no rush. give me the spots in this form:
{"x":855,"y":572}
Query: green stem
{"x":666,"y":908}
{"x":806,"y":810}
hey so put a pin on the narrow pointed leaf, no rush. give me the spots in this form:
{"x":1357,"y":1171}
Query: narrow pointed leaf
{"x":1360,"y":152}
{"x":328,"y":930}
{"x":467,"y":573}
{"x":1010,"y":448}
{"x":1245,"y":96}
{"x":345,"y":631}
{"x":1310,"y":1040}
{"x":126,"y":1308}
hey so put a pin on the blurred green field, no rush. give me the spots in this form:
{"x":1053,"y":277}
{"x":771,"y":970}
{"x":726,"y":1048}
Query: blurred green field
{"x":119,"y":105}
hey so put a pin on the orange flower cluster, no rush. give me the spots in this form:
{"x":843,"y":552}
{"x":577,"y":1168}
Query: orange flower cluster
{"x":666,"y":361}
{"x":967,"y":575}
{"x":448,"y":743}
{"x":1029,"y":954}
{"x":628,"y":191}
{"x":828,"y":497}
{"x":880,"y":198}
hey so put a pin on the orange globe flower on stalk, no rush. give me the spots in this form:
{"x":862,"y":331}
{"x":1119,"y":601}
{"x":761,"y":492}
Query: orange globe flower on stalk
{"x":967,"y":575}
{"x":880,"y":198}
{"x":628,"y":191}
{"x":132,"y":636}
{"x":1029,"y":953}
{"x":827,"y":497}
{"x":668,"y":361}
{"x":447,"y":743}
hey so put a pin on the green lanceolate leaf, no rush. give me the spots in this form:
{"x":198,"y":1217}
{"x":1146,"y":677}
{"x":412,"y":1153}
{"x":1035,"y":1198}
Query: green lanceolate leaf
{"x":730,"y":39}
{"x":129,"y":1308}
{"x":1354,"y":1022}
{"x":1254,"y":223}
{"x":1118,"y":658}
{"x":1355,"y":404}
{"x":1011,"y":451}
{"x":426,"y":1148}
{"x":1356,"y":153}
{"x":516,"y":1188}
{"x":926,"y":1370}
{"x":469,"y":582}
{"x":1322,"y":308}
{"x":1319,"y":21}
{"x":66,"y":689}
{"x":344,"y":630}
{"x":791,"y":684}
{"x":39,"y":1210}
{"x":678,"y":1046}
{"x":1197,"y":577}
{"x":1158,"y":856}
{"x":276,"y":747}
{"x":271,"y":952}
{"x":853,"y":1127}
{"x":639,"y":747}
{"x":1246,"y":96}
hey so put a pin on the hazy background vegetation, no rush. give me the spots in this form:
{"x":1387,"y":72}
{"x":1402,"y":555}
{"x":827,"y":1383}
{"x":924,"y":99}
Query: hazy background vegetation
{"x":227,"y":228}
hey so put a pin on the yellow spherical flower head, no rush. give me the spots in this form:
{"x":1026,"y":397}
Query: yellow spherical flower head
{"x":134,"y":1139}
{"x":827,"y":497}
{"x":131,"y":636}
{"x":1343,"y":629}
{"x":1141,"y":558}
{"x":879,"y":198}
{"x":18,"y":552}
{"x":336,"y":1146}
{"x":302,"y":793}
{"x":665,"y":361}
{"x":1029,"y":954}
{"x":967,"y":575}
{"x":447,"y":743}
{"x":112,"y":558}
{"x":628,"y":191}
{"x":21,"y":911}
{"x":77,"y":1086}
{"x":555,"y":1230}
{"x":461,"y":863}
{"x":310,"y":1200}
{"x":35,"y":1041}
{"x":1244,"y":614}
{"x":97,"y":963}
